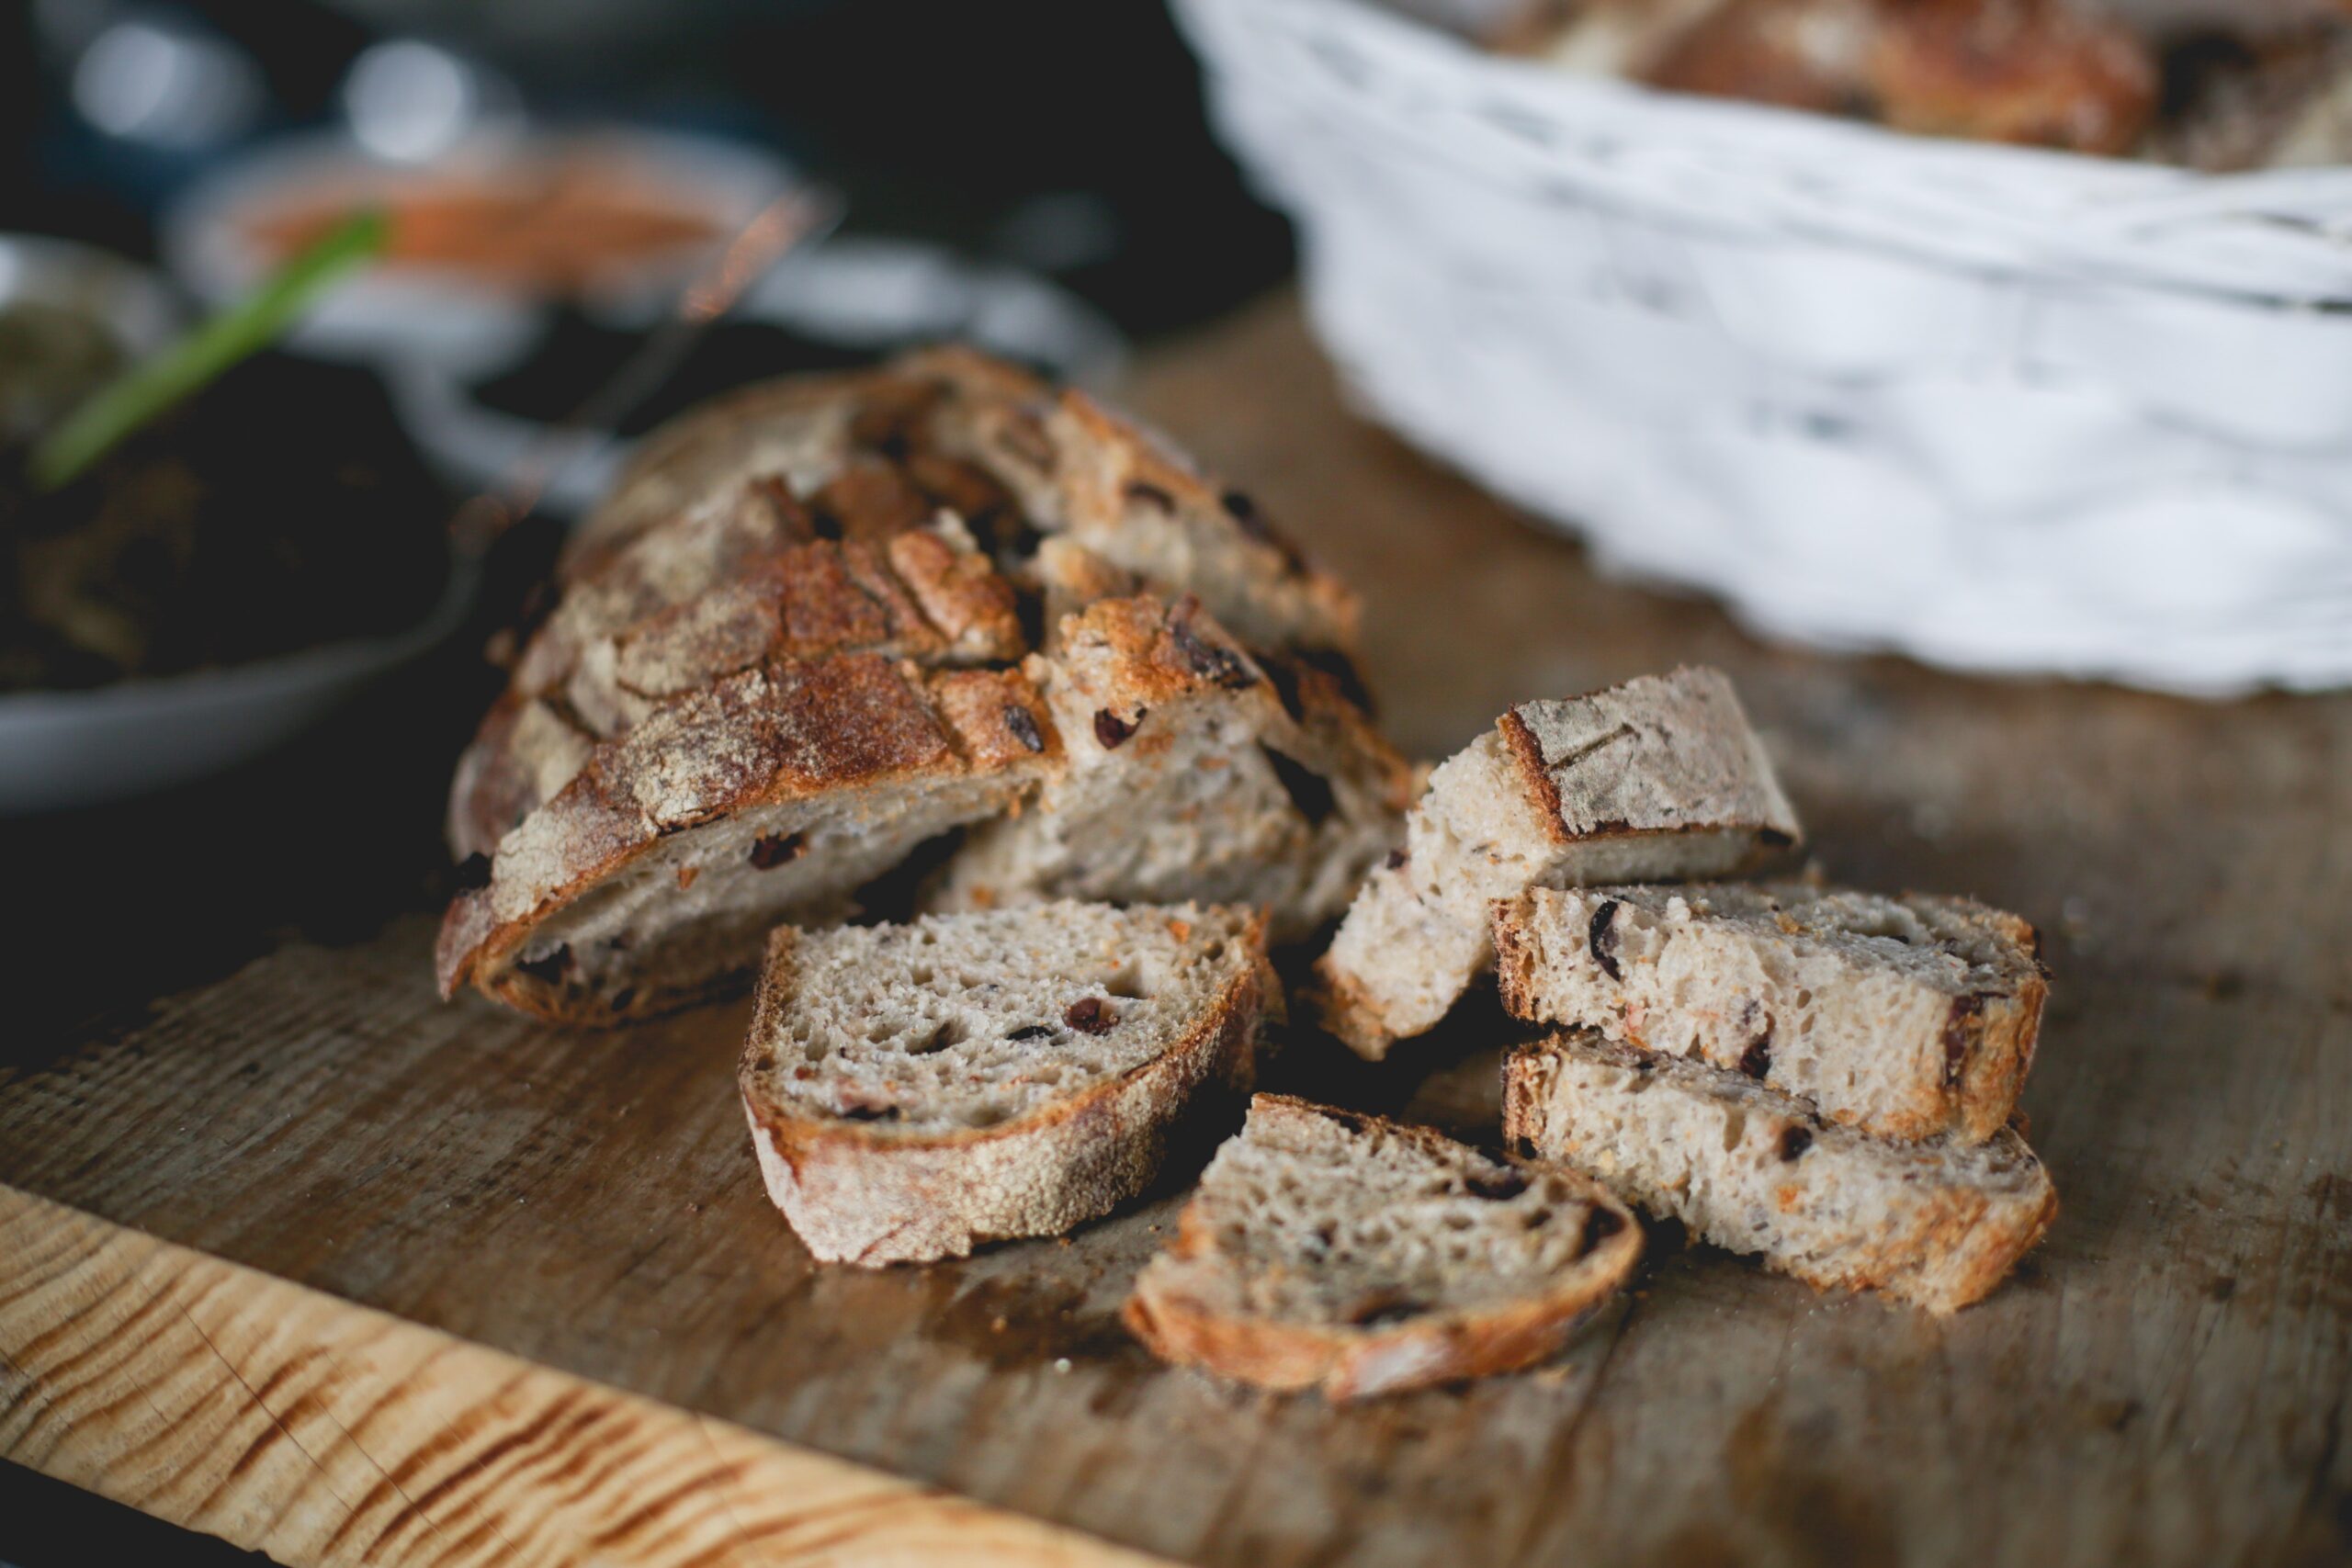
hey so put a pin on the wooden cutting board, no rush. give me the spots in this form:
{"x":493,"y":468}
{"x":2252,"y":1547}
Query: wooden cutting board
{"x":293,"y":1253}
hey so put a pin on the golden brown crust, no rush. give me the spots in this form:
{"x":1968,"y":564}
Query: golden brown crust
{"x":798,"y":519}
{"x":1534,"y":778}
{"x":996,"y":719}
{"x":790,"y":526}
{"x":1267,"y":783}
{"x":2035,"y":72}
{"x":1111,"y":471}
{"x":1997,"y":1042}
{"x":779,"y":731}
{"x":619,"y":643}
{"x":1347,"y":1012}
{"x":2028,"y":70}
{"x":717,"y":445}
{"x":959,"y":592}
{"x":1349,"y":1363}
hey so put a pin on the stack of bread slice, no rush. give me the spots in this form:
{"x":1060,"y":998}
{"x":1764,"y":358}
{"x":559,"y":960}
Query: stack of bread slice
{"x":1825,"y":1079}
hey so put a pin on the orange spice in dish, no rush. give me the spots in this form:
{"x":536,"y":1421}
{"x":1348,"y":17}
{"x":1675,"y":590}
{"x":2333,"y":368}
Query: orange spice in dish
{"x":550,"y":227}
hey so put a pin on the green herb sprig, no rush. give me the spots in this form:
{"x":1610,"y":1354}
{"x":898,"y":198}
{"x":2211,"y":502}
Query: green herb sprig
{"x":145,"y":390}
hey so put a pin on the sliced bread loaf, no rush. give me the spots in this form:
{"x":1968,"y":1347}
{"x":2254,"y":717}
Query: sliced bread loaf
{"x":651,"y":877}
{"x":1333,"y":1250}
{"x":1657,"y":780}
{"x":847,"y":535}
{"x":1937,"y":1223}
{"x":1192,"y":769}
{"x":916,"y":1090}
{"x":1904,"y":1017}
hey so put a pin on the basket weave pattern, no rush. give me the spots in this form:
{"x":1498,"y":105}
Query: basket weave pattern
{"x":1997,"y":408}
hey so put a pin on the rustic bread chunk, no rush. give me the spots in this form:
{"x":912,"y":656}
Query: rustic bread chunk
{"x":738,"y":583}
{"x":651,"y":878}
{"x":899,"y":511}
{"x":1191,"y":770}
{"x":2040,"y":71}
{"x":1327,"y":1250}
{"x":1904,"y":1017}
{"x":914,"y":1090}
{"x":1659,"y":779}
{"x":788,"y":530}
{"x":1935,"y":1223}
{"x":1016,"y":458}
{"x":1144,"y":507}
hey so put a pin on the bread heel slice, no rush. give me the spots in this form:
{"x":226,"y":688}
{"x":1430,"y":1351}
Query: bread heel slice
{"x":1658,"y":780}
{"x":1333,"y":1250}
{"x":915,"y":1090}
{"x":1935,"y":1223}
{"x":652,"y":879}
{"x":1907,"y":1018}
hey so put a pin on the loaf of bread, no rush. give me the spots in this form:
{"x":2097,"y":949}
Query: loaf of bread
{"x":914,"y":1090}
{"x":1908,"y":1018}
{"x":2040,"y":71}
{"x":777,"y":663}
{"x":1659,"y":779}
{"x":1333,"y":1250}
{"x":1937,"y":1223}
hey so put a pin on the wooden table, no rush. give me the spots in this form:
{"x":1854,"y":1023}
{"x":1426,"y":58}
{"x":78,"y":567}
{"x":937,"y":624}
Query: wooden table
{"x":297,"y":1254}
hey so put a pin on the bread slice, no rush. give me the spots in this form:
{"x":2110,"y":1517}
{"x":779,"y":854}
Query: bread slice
{"x":1191,"y":770}
{"x":1333,"y":1250}
{"x":916,"y":1090}
{"x":651,"y":877}
{"x":1657,"y":780}
{"x":1904,"y":1017}
{"x":1936,"y":1222}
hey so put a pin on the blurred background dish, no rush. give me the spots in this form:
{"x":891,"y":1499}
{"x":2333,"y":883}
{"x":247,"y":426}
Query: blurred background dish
{"x":489,"y":232}
{"x":216,"y":582}
{"x":70,"y":316}
{"x":62,"y":750}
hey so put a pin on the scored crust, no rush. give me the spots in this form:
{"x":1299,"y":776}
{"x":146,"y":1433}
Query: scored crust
{"x":741,"y":581}
{"x":1186,"y":1316}
{"x":753,"y":551}
{"x":750,"y":548}
{"x":836,"y":730}
{"x":863,"y":1194}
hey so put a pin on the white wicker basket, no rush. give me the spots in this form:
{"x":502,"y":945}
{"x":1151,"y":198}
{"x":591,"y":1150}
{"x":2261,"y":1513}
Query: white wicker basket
{"x":1997,"y":408}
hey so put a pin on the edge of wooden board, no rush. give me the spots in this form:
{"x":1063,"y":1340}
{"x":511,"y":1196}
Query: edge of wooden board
{"x":292,"y":1422}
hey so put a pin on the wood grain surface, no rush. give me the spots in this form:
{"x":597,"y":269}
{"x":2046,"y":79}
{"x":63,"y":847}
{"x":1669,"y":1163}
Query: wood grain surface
{"x":2166,"y":1381}
{"x":300,"y":1426}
